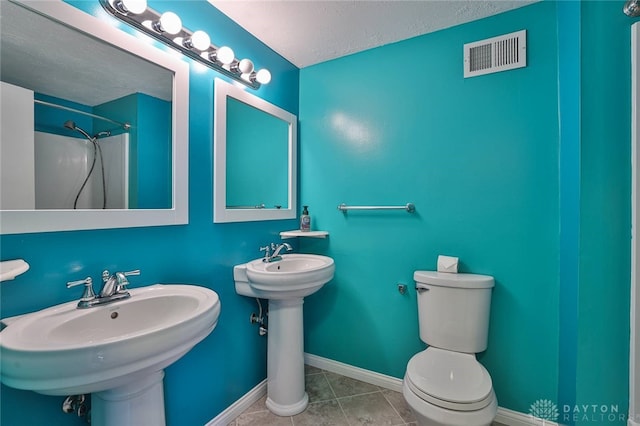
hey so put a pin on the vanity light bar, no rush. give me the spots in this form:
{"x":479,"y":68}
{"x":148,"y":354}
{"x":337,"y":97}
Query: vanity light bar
{"x":167,"y":28}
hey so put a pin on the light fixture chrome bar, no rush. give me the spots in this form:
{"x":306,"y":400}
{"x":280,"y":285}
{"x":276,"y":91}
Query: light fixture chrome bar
{"x":409,"y":207}
{"x":125,"y":126}
{"x":148,"y":23}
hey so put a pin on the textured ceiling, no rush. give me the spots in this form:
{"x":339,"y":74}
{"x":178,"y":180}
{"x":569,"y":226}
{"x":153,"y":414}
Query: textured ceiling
{"x":307,"y":32}
{"x":50,"y":58}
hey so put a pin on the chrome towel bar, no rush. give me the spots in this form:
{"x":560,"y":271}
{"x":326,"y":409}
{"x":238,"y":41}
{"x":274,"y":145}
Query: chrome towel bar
{"x":409,"y":207}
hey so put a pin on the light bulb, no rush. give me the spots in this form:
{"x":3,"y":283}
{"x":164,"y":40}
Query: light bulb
{"x":245,"y":66}
{"x":169,"y":23}
{"x":263,"y":76}
{"x":225,"y":55}
{"x":125,"y":7}
{"x":200,"y":40}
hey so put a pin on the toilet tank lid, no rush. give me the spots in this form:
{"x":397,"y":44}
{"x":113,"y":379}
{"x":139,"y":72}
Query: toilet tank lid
{"x":446,"y":279}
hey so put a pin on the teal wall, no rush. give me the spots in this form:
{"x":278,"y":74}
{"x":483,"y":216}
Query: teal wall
{"x":603,"y":296}
{"x":258,"y":140}
{"x":150,"y":163}
{"x":232,"y":360}
{"x":523,"y":174}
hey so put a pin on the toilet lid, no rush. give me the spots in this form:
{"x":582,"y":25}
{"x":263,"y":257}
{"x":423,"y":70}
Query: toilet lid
{"x":449,"y":376}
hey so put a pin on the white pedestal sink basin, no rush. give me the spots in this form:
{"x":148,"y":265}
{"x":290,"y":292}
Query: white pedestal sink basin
{"x":116,"y":351}
{"x":285,"y":282}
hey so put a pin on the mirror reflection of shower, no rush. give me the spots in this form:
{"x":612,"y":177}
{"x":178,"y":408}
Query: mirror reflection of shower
{"x":97,"y":151}
{"x":632,"y":8}
{"x":81,"y":159}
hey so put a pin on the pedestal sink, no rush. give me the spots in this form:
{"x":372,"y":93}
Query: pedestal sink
{"x":117,"y":351}
{"x":285,"y":283}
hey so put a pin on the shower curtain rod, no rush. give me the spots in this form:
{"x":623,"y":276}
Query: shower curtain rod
{"x":125,"y":126}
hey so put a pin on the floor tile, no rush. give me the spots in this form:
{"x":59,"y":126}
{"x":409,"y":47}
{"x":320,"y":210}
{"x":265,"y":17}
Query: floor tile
{"x":318,"y":388}
{"x":308,"y":369}
{"x":259,"y":405}
{"x":327,"y":413}
{"x":400,"y":404}
{"x":263,"y":418}
{"x":346,"y":386}
{"x":369,"y":409}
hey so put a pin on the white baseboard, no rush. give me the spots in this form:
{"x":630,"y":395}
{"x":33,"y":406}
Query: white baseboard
{"x":504,"y":415}
{"x":357,"y":373}
{"x":238,"y":407}
{"x":516,"y":418}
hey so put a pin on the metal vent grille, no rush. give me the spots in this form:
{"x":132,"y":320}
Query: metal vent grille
{"x":495,"y":54}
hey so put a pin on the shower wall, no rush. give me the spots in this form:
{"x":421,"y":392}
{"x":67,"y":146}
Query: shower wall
{"x":16,"y":147}
{"x":62,"y":163}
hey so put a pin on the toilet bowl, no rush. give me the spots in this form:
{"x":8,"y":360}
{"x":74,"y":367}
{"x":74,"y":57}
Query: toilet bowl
{"x":445,"y":388}
{"x":445,"y":385}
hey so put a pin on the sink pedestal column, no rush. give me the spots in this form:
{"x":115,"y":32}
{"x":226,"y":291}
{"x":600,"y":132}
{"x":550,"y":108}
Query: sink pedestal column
{"x":286,"y":394}
{"x":140,"y":402}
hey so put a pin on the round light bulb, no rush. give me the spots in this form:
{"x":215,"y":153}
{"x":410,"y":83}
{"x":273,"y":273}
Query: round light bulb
{"x":130,"y":6}
{"x":245,"y":66}
{"x":170,"y":23}
{"x":225,"y":55}
{"x":200,"y":40}
{"x":263,"y":76}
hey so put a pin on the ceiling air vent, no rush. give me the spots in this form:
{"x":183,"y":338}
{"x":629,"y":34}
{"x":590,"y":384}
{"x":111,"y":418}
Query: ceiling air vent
{"x":495,"y":54}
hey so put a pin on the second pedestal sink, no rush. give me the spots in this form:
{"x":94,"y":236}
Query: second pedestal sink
{"x":295,"y":276}
{"x":116,"y":351}
{"x":285,"y":282}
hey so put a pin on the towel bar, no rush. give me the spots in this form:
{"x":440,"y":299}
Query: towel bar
{"x":409,"y":207}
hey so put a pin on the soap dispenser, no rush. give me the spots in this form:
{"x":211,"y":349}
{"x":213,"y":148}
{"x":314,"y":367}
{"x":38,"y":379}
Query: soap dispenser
{"x":305,"y":220}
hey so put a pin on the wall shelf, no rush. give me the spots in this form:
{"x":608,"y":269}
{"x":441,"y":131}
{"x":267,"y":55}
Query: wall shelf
{"x":10,"y":269}
{"x":308,"y":234}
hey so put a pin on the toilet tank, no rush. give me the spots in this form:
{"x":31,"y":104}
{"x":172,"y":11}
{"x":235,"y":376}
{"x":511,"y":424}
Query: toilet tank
{"x":453,"y":310}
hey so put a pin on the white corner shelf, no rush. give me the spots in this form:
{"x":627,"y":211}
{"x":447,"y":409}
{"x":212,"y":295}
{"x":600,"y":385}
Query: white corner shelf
{"x":10,"y":269}
{"x":299,"y":233}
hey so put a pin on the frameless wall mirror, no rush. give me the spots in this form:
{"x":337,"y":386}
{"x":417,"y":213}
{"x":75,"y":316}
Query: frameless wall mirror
{"x":254,"y":158}
{"x":94,"y":127}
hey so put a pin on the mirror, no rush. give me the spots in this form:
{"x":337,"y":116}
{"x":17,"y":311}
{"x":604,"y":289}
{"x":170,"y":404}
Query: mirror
{"x":255,"y":158}
{"x":99,"y":124}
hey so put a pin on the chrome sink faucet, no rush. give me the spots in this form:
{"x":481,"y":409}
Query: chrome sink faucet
{"x":277,"y":248}
{"x":116,"y":283}
{"x":113,"y":289}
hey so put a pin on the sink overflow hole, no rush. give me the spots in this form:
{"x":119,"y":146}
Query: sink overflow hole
{"x":114,"y":315}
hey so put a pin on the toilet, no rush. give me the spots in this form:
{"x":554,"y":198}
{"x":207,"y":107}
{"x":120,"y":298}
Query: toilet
{"x":445,"y":385}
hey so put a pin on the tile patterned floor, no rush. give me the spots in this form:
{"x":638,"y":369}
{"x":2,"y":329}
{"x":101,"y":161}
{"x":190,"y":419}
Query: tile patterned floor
{"x":336,"y":400}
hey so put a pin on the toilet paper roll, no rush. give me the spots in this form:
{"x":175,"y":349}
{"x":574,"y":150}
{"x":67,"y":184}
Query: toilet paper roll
{"x":448,"y":264}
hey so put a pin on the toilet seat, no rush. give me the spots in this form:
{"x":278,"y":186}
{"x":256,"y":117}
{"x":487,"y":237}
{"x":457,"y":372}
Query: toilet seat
{"x":451,"y":380}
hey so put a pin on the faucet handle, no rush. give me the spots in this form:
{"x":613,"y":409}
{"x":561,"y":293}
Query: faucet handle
{"x":267,"y":250}
{"x":121,"y":279}
{"x":88,"y":293}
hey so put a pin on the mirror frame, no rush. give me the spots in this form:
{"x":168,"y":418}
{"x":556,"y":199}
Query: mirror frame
{"x":221,"y":213}
{"x":31,"y":221}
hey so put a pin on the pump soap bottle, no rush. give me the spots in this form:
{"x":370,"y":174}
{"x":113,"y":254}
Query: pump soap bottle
{"x":305,"y":220}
